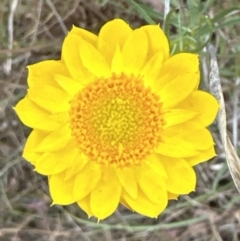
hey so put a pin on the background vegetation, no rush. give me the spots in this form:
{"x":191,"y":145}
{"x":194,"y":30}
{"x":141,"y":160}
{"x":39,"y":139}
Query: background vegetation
{"x":33,"y":30}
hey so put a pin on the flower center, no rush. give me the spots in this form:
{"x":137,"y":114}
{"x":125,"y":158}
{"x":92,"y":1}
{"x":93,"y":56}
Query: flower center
{"x":116,"y":121}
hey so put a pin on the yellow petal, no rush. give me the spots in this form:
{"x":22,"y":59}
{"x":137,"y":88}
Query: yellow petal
{"x":151,"y":70}
{"x":201,"y":137}
{"x":71,"y":86}
{"x":178,"y":89}
{"x":182,"y":178}
{"x":50,"y":98}
{"x":42,"y":73}
{"x":117,"y":62}
{"x":34,"y":116}
{"x":179,"y":65}
{"x":128,"y":180}
{"x":172,"y":196}
{"x":72,"y":59}
{"x":195,"y":133}
{"x":62,"y":117}
{"x":134,"y":52}
{"x":105,"y":197}
{"x":33,"y":140}
{"x":55,"y":140}
{"x":152,"y":185}
{"x":185,"y":140}
{"x":86,"y":180}
{"x":114,"y":33}
{"x":85,"y":205}
{"x":157,"y":40}
{"x":143,"y":205}
{"x":204,"y":104}
{"x":202,"y":156}
{"x":178,"y":116}
{"x":93,"y":61}
{"x":51,"y":163}
{"x":77,"y":165}
{"x":123,"y":202}
{"x":61,"y":190}
{"x":176,"y":146}
{"x":47,"y":162}
{"x":154,"y":162}
{"x":86,"y":35}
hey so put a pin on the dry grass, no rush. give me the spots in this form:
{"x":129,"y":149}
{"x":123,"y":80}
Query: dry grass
{"x":31,"y":31}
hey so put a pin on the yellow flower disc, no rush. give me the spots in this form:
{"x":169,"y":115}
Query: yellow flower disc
{"x":117,"y":120}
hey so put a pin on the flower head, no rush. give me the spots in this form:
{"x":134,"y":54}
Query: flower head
{"x":117,"y":120}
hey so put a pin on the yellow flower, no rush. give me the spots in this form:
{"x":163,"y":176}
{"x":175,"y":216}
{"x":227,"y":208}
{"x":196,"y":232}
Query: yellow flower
{"x":117,"y":120}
